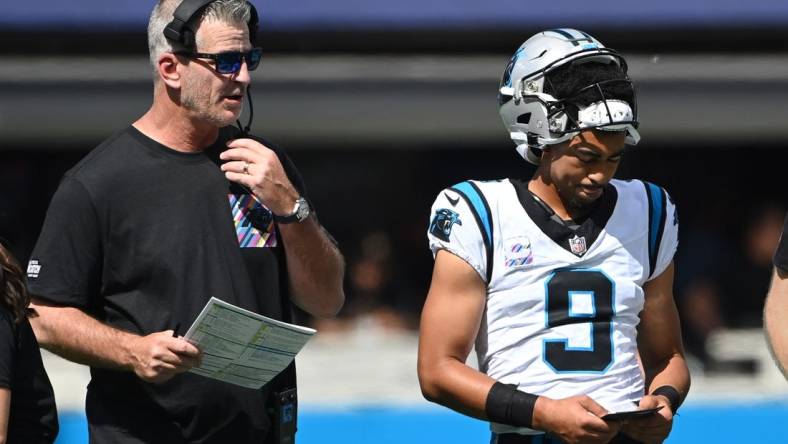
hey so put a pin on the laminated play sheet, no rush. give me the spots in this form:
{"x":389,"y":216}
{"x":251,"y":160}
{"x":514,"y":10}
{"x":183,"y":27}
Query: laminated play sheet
{"x":242,"y":347}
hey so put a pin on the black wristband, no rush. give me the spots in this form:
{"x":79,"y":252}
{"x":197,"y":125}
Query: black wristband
{"x":507,"y":405}
{"x":674,"y":398}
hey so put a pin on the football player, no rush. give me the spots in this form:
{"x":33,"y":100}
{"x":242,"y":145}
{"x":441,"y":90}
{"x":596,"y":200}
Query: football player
{"x":562,"y":282}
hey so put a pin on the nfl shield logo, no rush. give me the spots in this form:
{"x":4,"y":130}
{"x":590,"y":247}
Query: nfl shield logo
{"x":577,"y":245}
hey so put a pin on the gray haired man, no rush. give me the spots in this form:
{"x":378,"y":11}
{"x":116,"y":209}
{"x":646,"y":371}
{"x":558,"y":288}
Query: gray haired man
{"x":176,"y":208}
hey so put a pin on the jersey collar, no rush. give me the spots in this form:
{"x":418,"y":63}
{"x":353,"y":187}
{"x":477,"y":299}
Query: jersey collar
{"x":575,"y":238}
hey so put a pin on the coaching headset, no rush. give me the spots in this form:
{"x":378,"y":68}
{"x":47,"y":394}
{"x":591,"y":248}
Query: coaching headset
{"x":180,"y":31}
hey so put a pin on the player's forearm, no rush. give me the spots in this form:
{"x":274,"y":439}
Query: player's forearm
{"x":315,"y":268}
{"x":670,"y":371}
{"x":468,"y":391}
{"x":455,"y":385}
{"x":76,"y":336}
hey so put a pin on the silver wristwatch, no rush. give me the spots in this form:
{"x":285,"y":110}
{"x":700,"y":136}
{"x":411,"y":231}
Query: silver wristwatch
{"x":300,"y":213}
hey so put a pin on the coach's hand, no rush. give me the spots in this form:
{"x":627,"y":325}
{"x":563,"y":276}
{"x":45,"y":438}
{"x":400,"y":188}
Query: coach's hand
{"x":257,"y":167}
{"x":574,"y":420}
{"x":158,"y":357}
{"x":654,"y":428}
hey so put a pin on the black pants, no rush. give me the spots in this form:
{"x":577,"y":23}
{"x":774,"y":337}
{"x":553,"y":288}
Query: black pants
{"x":514,"y":438}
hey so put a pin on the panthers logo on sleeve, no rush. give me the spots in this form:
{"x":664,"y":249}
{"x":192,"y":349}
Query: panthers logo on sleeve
{"x":442,"y":223}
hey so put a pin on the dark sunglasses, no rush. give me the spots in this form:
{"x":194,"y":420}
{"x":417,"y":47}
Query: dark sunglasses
{"x":229,"y":62}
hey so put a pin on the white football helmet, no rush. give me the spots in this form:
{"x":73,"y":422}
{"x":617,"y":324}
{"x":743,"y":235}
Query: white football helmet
{"x":536,"y":118}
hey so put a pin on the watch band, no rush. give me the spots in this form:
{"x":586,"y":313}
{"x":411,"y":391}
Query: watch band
{"x":300,"y":213}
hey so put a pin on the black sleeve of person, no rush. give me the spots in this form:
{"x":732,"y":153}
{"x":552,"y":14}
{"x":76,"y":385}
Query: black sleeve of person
{"x":65,"y":265}
{"x":507,"y":405}
{"x":7,"y":349}
{"x":781,"y":254}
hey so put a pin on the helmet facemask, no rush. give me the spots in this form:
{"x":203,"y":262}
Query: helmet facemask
{"x":589,"y":92}
{"x":607,"y":105}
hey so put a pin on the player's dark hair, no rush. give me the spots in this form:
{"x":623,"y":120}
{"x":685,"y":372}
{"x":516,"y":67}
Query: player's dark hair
{"x":567,"y":80}
{"x":13,"y":289}
{"x":581,"y":84}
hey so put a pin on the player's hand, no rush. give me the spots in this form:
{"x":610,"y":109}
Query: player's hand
{"x":574,"y":420}
{"x":257,"y":167}
{"x":654,"y":428}
{"x":158,"y":357}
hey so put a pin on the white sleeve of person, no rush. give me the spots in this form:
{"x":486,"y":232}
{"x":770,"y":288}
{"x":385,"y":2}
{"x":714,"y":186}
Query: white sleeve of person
{"x":454,"y":228}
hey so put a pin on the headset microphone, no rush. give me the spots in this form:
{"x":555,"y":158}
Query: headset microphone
{"x":245,"y":129}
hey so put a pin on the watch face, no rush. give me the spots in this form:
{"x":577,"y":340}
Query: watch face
{"x":303,"y":210}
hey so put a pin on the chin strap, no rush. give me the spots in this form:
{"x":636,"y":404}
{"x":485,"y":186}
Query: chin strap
{"x":531,"y":154}
{"x":529,"y":146}
{"x":245,"y":129}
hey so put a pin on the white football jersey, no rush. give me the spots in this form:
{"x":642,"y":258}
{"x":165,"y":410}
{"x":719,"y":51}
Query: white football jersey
{"x":562,"y":303}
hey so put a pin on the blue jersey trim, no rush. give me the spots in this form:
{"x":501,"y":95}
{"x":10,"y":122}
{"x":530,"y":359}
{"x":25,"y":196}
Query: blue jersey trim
{"x":656,"y":222}
{"x":481,"y":212}
{"x":477,"y":203}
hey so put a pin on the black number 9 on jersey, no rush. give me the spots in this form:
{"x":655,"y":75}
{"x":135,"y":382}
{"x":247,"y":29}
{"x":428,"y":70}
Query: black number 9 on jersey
{"x":575,"y":296}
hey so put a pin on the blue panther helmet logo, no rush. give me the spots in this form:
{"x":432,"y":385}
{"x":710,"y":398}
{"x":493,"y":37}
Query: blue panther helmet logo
{"x":507,"y":73}
{"x":442,"y":223}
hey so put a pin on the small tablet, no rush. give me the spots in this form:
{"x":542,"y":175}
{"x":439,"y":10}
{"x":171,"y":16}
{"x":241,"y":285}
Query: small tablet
{"x":632,"y":414}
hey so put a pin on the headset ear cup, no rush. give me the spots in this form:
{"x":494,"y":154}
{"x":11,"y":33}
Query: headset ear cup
{"x":187,"y":38}
{"x":172,"y":34}
{"x":179,"y":29}
{"x":253,"y":34}
{"x":253,"y":24}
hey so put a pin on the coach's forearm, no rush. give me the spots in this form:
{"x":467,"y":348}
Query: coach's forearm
{"x":76,"y":336}
{"x":315,"y":268}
